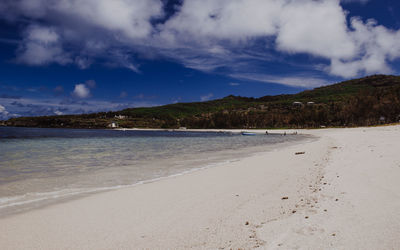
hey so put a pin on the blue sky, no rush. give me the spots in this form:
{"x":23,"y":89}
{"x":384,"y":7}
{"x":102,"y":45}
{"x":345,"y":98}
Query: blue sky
{"x":79,"y":56}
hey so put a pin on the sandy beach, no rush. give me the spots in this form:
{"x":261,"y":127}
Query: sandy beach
{"x":340,"y":192}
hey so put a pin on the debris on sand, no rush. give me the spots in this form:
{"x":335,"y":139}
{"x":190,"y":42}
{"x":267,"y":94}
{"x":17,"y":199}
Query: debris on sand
{"x":285,"y":198}
{"x":300,"y":153}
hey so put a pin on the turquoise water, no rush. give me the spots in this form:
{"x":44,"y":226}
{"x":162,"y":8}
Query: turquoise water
{"x":40,"y":165}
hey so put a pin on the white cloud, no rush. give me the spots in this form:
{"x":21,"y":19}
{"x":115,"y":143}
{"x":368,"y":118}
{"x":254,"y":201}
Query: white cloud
{"x":225,"y":19}
{"x":203,"y":34}
{"x":3,"y":111}
{"x":206,"y":97}
{"x":234,"y":84}
{"x":294,"y":81}
{"x":81,"y":91}
{"x":83,"y":62}
{"x":4,"y":114}
{"x":130,"y":18}
{"x":377,"y":46}
{"x":89,"y":28}
{"x":315,"y":27}
{"x":41,"y":45}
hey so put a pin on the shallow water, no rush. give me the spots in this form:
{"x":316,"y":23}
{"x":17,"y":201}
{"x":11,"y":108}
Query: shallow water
{"x":38,"y":165}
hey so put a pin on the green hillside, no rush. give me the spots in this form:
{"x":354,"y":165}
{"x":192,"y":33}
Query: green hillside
{"x":367,"y":101}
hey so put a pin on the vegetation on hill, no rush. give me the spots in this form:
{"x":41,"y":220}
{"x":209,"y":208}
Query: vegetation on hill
{"x":361,"y":102}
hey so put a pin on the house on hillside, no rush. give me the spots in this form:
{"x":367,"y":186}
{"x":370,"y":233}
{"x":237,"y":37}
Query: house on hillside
{"x":310,"y":103}
{"x":297,"y":104}
{"x":121,"y":117}
{"x":113,"y":125}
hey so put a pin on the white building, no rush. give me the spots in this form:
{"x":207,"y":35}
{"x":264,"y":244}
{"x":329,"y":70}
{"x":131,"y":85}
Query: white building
{"x":121,"y":117}
{"x":113,"y":125}
{"x":297,"y":104}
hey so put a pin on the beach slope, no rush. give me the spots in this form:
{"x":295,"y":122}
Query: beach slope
{"x":340,"y":191}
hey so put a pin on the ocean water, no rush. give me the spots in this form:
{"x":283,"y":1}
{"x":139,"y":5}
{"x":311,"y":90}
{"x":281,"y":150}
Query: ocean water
{"x":42,"y":166}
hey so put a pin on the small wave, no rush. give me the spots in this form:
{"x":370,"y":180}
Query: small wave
{"x":35,"y":198}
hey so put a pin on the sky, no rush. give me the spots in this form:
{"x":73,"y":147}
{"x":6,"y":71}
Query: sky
{"x":80,"y":56}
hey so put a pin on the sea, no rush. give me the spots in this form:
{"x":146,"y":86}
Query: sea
{"x":39,"y":166}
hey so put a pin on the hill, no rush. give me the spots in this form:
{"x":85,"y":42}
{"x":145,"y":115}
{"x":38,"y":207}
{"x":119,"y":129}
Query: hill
{"x":361,"y":102}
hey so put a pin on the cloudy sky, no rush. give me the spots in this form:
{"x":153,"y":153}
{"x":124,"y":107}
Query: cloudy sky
{"x":75,"y":56}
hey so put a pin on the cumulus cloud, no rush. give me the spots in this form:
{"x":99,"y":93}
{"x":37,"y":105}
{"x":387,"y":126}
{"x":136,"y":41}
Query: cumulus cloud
{"x":3,"y":112}
{"x":376,"y":45}
{"x":315,"y":27}
{"x":89,"y":28}
{"x":41,"y":45}
{"x":81,"y":91}
{"x":236,"y":20}
{"x":130,"y":18}
{"x":206,"y":35}
{"x":318,"y":28}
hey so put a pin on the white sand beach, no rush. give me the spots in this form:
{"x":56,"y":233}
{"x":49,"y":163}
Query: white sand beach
{"x":342,"y":193}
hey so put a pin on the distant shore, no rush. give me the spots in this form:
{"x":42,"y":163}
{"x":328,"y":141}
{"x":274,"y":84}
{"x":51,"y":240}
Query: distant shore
{"x":233,"y":131}
{"x":337,"y":192}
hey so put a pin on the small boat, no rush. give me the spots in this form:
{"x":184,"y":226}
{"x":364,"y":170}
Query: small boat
{"x":248,"y":133}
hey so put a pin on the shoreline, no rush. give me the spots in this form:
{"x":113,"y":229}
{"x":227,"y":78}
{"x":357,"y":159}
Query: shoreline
{"x":18,"y":204}
{"x":234,"y":131}
{"x":271,"y":200}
